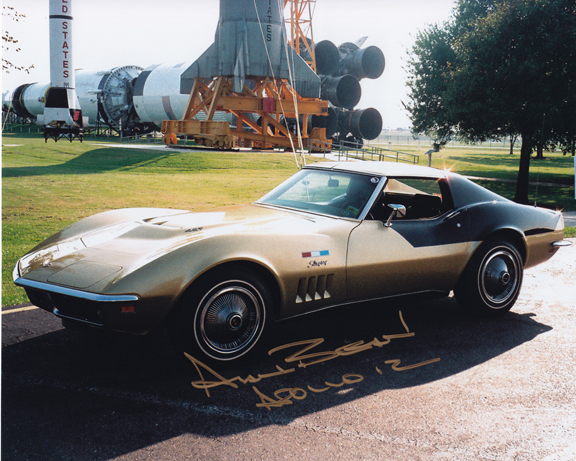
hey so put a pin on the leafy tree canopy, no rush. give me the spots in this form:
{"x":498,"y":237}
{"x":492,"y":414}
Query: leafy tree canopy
{"x":498,"y":68}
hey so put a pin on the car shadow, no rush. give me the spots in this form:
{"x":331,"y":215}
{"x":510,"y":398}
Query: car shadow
{"x":92,"y":396}
{"x":93,"y":162}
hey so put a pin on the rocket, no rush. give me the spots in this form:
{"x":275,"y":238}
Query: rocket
{"x":250,"y":46}
{"x":250,"y":41}
{"x":62,"y":109}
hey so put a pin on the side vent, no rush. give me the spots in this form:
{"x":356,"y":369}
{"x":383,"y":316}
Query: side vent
{"x":314,"y":288}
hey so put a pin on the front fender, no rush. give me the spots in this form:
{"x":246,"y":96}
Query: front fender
{"x":165,"y":278}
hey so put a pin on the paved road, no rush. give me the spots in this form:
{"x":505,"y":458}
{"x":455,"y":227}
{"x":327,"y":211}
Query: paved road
{"x":479,"y":389}
{"x":570,"y":218}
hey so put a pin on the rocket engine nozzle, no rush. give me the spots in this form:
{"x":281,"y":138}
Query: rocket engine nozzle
{"x":365,"y":124}
{"x":327,"y":57}
{"x":361,"y":62}
{"x":342,"y":91}
{"x":349,"y":59}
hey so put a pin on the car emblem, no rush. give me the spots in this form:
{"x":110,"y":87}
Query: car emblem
{"x":46,"y":264}
{"x":315,"y":254}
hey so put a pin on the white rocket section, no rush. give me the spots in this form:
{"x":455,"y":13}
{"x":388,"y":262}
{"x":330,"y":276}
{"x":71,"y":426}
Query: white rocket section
{"x":158,"y":97}
{"x":61,"y":106}
{"x":108,"y":93}
{"x":33,"y":98}
{"x":88,"y":92}
{"x":61,"y":64}
{"x":157,"y":93}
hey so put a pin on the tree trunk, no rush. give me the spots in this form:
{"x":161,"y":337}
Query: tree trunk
{"x":539,"y":152}
{"x":524,"y":171}
{"x":512,"y":142}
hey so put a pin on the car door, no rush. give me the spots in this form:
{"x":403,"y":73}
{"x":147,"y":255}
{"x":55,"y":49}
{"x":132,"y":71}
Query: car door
{"x":423,"y":251}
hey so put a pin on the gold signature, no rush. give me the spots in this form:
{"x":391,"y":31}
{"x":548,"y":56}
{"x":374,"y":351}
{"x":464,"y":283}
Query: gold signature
{"x":285,"y":396}
{"x":305,"y":358}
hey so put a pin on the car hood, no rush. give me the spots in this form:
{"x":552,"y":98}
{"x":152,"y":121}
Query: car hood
{"x":103,"y":249}
{"x":164,"y":231}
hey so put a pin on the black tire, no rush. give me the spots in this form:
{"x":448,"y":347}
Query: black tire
{"x":223,"y":317}
{"x":491,"y":282}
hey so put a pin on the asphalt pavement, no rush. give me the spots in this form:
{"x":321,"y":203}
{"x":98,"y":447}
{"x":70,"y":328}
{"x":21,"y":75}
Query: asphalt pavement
{"x":403,"y":380}
{"x":570,"y":218}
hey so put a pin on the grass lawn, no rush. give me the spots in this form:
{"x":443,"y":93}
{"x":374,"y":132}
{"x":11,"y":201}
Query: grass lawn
{"x":46,"y":187}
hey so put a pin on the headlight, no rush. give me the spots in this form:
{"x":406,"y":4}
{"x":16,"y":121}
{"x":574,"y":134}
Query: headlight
{"x":48,"y":254}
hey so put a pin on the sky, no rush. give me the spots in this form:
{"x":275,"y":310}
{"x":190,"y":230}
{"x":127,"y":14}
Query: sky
{"x":115,"y":33}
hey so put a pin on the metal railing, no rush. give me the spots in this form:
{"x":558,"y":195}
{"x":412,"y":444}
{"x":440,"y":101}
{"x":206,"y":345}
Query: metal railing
{"x":357,"y":151}
{"x":21,"y":128}
{"x":149,"y":138}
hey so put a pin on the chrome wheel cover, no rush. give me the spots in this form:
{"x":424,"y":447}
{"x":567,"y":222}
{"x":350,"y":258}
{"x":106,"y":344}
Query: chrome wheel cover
{"x":229,"y":320}
{"x":499,"y":277}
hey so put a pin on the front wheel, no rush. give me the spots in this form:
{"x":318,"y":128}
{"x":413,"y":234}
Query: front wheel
{"x":492,"y":280}
{"x":223,"y":317}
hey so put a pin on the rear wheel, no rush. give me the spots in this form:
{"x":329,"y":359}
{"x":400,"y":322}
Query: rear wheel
{"x":492,"y":280}
{"x":223,"y":317}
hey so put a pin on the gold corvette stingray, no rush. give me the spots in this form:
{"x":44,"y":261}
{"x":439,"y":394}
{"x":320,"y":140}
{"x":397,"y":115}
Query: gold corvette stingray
{"x":334,"y":233}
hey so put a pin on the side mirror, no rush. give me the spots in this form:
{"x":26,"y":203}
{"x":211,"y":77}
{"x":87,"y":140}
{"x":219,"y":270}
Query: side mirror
{"x":397,"y":210}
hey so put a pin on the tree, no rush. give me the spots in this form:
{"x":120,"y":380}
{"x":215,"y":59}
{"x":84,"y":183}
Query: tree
{"x":512,"y":71}
{"x":431,"y":66}
{"x":9,"y":41}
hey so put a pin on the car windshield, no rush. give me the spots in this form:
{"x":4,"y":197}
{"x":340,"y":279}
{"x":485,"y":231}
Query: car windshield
{"x":322,"y":191}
